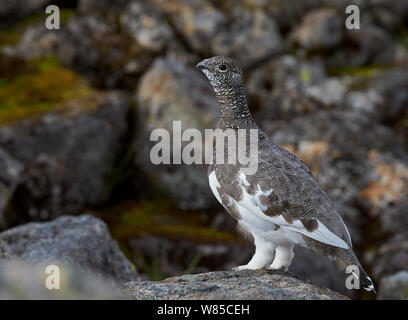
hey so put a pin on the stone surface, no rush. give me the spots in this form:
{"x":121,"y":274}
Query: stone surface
{"x":82,"y":242}
{"x":394,"y":287}
{"x":230,"y":285}
{"x":319,"y":29}
{"x":250,"y":37}
{"x":61,"y":162}
{"x":22,"y":281}
{"x":171,"y":91}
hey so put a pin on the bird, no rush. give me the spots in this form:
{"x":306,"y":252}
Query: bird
{"x":281,"y":204}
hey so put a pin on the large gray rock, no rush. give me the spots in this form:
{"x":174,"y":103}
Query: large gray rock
{"x":249,"y":37}
{"x":82,"y":242}
{"x":11,"y":11}
{"x":319,"y":29}
{"x":287,"y":87}
{"x":61,"y":162}
{"x":230,"y":285}
{"x":394,"y":287}
{"x":361,"y":165}
{"x":197,"y":21}
{"x":171,"y":91}
{"x":20,"y":280}
{"x":391,"y":256}
{"x":101,"y":46}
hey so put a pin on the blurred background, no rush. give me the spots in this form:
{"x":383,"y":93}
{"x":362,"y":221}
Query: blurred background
{"x":77,"y":106}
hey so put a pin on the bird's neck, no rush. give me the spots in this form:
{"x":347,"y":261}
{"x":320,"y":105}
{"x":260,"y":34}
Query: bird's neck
{"x":235,"y":113}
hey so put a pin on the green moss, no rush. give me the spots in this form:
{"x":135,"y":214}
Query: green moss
{"x":160,"y":218}
{"x":304,"y":75}
{"x":41,"y":87}
{"x":365,"y":71}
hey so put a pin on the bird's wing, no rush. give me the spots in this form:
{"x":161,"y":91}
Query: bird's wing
{"x":286,"y":192}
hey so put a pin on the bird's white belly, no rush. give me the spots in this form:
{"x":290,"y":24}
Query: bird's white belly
{"x":261,"y":226}
{"x":254,"y":220}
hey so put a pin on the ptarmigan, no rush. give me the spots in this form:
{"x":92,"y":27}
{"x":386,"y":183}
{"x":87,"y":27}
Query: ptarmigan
{"x":281,"y":204}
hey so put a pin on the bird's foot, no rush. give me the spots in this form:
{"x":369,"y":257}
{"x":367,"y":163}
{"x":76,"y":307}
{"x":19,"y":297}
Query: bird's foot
{"x":278,"y":267}
{"x":245,"y":267}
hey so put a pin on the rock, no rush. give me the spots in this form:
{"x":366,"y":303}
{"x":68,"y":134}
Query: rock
{"x":11,"y":170}
{"x":319,"y":269}
{"x":197,"y":21}
{"x":288,"y":87}
{"x":11,"y":11}
{"x":357,"y":170}
{"x":370,"y":44}
{"x":230,"y":285}
{"x":328,"y":93}
{"x":61,"y":162}
{"x":367,"y":102}
{"x":319,"y":29}
{"x":395,"y":219}
{"x":22,"y":281}
{"x":394,"y":287}
{"x":171,"y":91}
{"x":392,"y":87}
{"x":178,"y":256}
{"x":251,"y":37}
{"x":391,"y":257}
{"x":146,"y":27}
{"x":95,"y":45}
{"x":82,"y":242}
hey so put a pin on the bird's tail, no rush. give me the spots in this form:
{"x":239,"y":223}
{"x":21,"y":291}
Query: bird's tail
{"x":365,"y":280}
{"x":347,"y":258}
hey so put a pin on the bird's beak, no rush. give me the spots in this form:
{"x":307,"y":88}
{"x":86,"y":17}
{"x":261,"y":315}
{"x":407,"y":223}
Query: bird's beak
{"x":201,"y":66}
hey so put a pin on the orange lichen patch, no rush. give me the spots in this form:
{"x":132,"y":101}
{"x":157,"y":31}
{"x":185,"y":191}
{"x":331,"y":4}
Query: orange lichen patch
{"x":391,"y":184}
{"x":309,"y":152}
{"x":372,"y":155}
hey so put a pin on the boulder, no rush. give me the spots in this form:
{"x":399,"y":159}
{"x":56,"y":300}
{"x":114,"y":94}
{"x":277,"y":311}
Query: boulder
{"x":230,"y":285}
{"x":82,"y":242}
{"x":282,"y":89}
{"x":196,"y":21}
{"x":249,"y":37}
{"x":23,"y":281}
{"x":394,"y":287}
{"x":320,"y":29}
{"x":359,"y":171}
{"x":61,"y":162}
{"x":171,"y":91}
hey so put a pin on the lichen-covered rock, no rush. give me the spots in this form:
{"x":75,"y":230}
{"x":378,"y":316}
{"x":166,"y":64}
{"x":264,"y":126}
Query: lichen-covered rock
{"x":198,"y":21}
{"x":250,"y":37}
{"x":322,"y":271}
{"x":391,"y":256}
{"x":97,"y":46}
{"x":61,"y":162}
{"x":394,"y":287}
{"x":21,"y":280}
{"x":171,"y":91}
{"x":279,"y":88}
{"x":230,"y":285}
{"x":82,"y":242}
{"x":146,"y":26}
{"x":357,"y":171}
{"x":320,"y":29}
{"x":10,"y":10}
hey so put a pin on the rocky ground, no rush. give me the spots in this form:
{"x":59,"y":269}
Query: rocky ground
{"x":77,"y":106}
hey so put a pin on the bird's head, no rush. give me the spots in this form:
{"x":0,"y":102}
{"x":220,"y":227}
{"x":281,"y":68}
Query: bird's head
{"x":223,"y":73}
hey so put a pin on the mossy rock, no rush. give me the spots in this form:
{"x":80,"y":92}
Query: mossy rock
{"x":41,"y":86}
{"x":158,"y":217}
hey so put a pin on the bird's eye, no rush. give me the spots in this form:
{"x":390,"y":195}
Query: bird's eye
{"x":222,"y":67}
